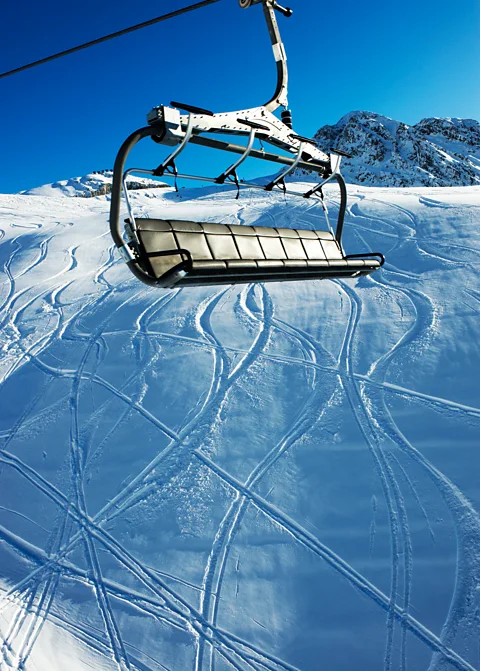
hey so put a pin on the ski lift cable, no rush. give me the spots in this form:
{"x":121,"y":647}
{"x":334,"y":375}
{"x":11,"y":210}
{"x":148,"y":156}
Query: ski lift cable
{"x":119,"y":33}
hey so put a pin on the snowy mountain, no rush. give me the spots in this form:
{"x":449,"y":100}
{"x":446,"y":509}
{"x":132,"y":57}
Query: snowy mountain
{"x":433,"y":152}
{"x":258,"y":478}
{"x":91,"y":185}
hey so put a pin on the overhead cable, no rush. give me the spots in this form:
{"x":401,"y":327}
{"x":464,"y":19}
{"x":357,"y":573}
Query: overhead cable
{"x":119,"y":33}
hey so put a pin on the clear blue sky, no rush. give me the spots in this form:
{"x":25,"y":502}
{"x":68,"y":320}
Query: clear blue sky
{"x":406,"y":60}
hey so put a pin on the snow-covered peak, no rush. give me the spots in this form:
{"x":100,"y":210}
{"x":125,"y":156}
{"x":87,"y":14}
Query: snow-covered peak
{"x":94,"y":184}
{"x":433,"y":152}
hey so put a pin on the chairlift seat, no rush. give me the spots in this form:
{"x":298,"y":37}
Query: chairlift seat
{"x":171,"y":253}
{"x":178,"y":253}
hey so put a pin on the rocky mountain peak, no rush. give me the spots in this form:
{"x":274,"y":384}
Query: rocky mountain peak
{"x":433,"y":152}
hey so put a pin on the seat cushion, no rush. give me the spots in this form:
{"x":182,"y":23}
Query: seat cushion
{"x":232,"y":251}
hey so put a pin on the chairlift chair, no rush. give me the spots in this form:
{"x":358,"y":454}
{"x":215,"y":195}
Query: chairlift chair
{"x":168,"y":253}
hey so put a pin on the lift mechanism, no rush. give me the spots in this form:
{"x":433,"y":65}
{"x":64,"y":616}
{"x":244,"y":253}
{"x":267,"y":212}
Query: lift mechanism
{"x":170,"y":253}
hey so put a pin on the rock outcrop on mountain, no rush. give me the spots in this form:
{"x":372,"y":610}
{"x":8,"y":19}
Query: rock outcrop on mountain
{"x":433,"y":152}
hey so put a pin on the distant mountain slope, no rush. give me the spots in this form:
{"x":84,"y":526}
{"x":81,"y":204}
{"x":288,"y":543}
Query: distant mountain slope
{"x":88,"y":186}
{"x":433,"y":152}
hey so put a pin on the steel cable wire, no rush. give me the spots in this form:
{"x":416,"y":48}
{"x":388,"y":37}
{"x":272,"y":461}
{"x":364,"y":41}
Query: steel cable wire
{"x":119,"y":33}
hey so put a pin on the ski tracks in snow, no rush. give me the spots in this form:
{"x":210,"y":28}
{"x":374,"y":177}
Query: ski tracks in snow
{"x":112,"y":311}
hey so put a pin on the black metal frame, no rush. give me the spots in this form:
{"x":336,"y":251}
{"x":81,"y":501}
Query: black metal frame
{"x":168,"y":126}
{"x":126,"y":248}
{"x":367,"y":255}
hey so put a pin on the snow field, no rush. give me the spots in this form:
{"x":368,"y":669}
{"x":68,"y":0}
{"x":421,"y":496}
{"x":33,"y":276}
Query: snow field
{"x":252,"y":477}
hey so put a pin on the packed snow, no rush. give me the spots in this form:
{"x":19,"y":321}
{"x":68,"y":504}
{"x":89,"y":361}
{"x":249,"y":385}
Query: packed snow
{"x":265,"y":477}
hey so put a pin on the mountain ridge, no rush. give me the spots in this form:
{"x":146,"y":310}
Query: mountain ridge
{"x":436,"y":151}
{"x":96,"y":183}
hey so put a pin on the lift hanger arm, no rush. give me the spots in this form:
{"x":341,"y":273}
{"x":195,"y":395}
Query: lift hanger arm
{"x":280,"y":97}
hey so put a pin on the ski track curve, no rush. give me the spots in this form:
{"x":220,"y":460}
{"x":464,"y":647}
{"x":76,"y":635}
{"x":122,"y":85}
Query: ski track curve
{"x":393,"y":497}
{"x":247,"y":360}
{"x":38,"y":612}
{"x":305,"y":538}
{"x":216,"y":563}
{"x":33,"y":596}
{"x":466,"y":519}
{"x":50,"y":583}
{"x":172,"y":601}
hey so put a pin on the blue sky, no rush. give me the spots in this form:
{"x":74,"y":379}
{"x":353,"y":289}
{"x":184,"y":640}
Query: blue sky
{"x":66,"y":118}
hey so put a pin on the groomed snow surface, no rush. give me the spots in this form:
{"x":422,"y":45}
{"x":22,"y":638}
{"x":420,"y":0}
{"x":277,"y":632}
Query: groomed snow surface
{"x":267,"y":478}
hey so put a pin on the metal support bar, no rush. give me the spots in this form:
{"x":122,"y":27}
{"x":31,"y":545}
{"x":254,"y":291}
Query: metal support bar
{"x":118,"y":171}
{"x":342,"y":208}
{"x":127,"y":197}
{"x":191,"y":108}
{"x":231,"y":170}
{"x":211,"y":180}
{"x":126,"y":253}
{"x":369,"y":255}
{"x":288,"y":170}
{"x":320,"y":167}
{"x":168,"y":161}
{"x":335,"y":171}
{"x":280,"y":97}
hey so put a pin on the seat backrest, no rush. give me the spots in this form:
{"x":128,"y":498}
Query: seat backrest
{"x":228,"y":242}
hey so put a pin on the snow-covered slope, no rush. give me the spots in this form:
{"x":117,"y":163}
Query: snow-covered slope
{"x":433,"y":152}
{"x":259,"y":478}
